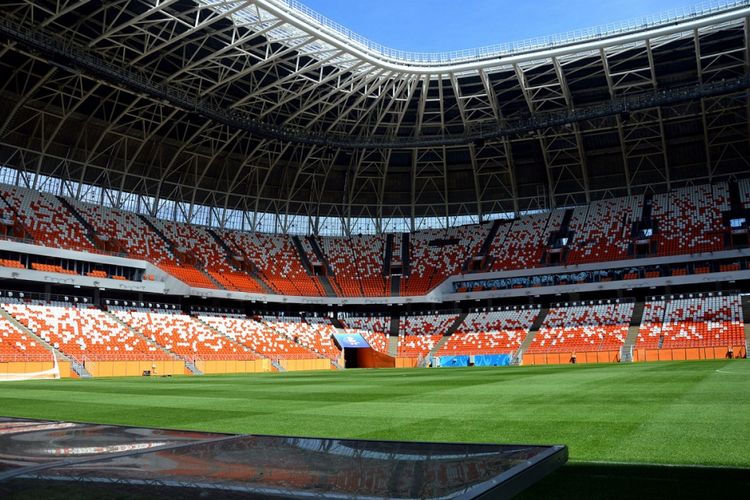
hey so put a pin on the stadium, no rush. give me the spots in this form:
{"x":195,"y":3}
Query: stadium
{"x":245,"y":251}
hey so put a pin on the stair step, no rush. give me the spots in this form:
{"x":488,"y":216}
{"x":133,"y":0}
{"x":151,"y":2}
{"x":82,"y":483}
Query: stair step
{"x":535,"y":326}
{"x":388,"y":254}
{"x":637,"y":317}
{"x":90,"y":231}
{"x":395,"y":286}
{"x":626,"y":351}
{"x":55,"y":352}
{"x":158,"y":232}
{"x":456,"y":324}
{"x":193,"y":368}
{"x":140,"y":335}
{"x":393,"y":345}
{"x":440,"y":343}
{"x":227,"y":337}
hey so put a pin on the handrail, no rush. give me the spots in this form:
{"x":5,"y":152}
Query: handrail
{"x":500,"y":49}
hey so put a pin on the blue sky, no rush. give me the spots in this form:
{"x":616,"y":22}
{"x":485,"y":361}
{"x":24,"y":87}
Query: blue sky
{"x":438,"y":25}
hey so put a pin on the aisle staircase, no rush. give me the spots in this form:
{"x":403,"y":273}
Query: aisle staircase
{"x":140,"y":335}
{"x":535,"y":326}
{"x":59,"y":355}
{"x":393,"y":337}
{"x":440,"y":343}
{"x":626,"y":351}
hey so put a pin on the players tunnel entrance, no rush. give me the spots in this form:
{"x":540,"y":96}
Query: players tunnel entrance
{"x":350,"y":358}
{"x":359,"y":354}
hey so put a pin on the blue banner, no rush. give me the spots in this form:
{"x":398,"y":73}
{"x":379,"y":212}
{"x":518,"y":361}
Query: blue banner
{"x":351,"y":340}
{"x":492,"y":360}
{"x":449,"y":361}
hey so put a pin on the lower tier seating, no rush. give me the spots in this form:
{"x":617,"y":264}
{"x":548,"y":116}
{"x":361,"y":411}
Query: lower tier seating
{"x":373,"y":328}
{"x":312,"y":333}
{"x":692,"y":321}
{"x":181,"y":334}
{"x":490,"y":332}
{"x":16,"y":345}
{"x":256,"y":336}
{"x":83,"y":332}
{"x":418,"y":334}
{"x":599,"y":326}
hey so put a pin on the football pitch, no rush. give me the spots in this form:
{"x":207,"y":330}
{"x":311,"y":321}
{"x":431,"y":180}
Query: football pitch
{"x":611,"y":416}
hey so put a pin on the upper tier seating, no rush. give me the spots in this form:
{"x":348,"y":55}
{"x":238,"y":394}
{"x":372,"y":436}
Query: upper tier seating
{"x":436,"y":254}
{"x":373,"y":328}
{"x":49,"y":222}
{"x":689,"y":220}
{"x":490,"y":332}
{"x":357,"y":264}
{"x":131,"y":234}
{"x":312,"y":333}
{"x":256,"y":336}
{"x":183,"y":335}
{"x":700,"y":321}
{"x":744,"y":185}
{"x":83,"y":332}
{"x":370,"y":253}
{"x":524,"y":243}
{"x":585,"y":327}
{"x":198,"y":244}
{"x":277,"y":261}
{"x":417,"y":335}
{"x":16,"y":345}
{"x":604,"y":233}
{"x":189,"y":274}
{"x":195,"y":241}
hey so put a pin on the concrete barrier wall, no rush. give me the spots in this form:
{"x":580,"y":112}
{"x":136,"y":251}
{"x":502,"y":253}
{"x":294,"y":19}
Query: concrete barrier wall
{"x":36,"y":366}
{"x":689,"y":353}
{"x":406,"y":362}
{"x":134,"y":368}
{"x":234,"y":366}
{"x":293,"y":365}
{"x":565,"y":358}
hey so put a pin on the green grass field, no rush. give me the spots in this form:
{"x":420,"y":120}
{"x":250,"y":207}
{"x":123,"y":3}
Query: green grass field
{"x":665,"y":413}
{"x":687,"y":413}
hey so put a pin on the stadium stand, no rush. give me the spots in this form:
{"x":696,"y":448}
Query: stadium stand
{"x":689,"y":220}
{"x":16,"y":345}
{"x":181,"y":334}
{"x":126,"y":232}
{"x":12,"y":263}
{"x":418,"y":334}
{"x":490,"y":332}
{"x":207,"y":254}
{"x":357,"y":264}
{"x":686,"y":220}
{"x":374,"y":329}
{"x":82,"y":331}
{"x":605,"y":232}
{"x":692,"y":321}
{"x":744,"y":185}
{"x":46,"y":219}
{"x":591,"y":326}
{"x":256,"y":335}
{"x":277,"y":261}
{"x":312,"y":332}
{"x":437,"y":254}
{"x":524,"y":243}
{"x":369,"y":252}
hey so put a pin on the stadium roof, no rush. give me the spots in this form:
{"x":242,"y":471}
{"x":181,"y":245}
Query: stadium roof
{"x":265,"y":106}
